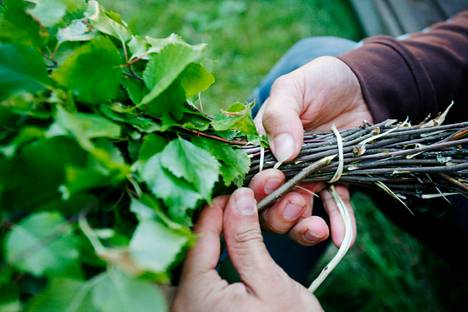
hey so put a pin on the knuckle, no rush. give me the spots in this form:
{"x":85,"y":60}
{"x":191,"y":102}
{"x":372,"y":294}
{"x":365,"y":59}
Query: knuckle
{"x":247,"y":236}
{"x":279,"y":227}
{"x":270,"y":116}
{"x":280,"y":82}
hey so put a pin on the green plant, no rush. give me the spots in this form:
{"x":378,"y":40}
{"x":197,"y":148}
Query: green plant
{"x":103,"y":157}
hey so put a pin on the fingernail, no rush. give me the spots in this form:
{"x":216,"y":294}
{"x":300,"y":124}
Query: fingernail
{"x":271,"y":185}
{"x":246,"y":206}
{"x":292,"y":211}
{"x":283,"y":145}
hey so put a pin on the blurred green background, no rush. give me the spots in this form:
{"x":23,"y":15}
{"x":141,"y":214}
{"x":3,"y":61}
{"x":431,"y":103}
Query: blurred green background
{"x":386,"y":270}
{"x":245,"y":38}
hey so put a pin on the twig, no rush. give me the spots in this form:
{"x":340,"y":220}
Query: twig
{"x":454,"y":181}
{"x":267,"y":201}
{"x":215,"y":137}
{"x":407,"y":159}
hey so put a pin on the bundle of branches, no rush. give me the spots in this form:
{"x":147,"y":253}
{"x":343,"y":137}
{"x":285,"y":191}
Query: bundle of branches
{"x":427,"y":160}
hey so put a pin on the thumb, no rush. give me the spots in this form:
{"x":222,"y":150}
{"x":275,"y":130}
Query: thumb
{"x":244,"y":242}
{"x":281,"y":119}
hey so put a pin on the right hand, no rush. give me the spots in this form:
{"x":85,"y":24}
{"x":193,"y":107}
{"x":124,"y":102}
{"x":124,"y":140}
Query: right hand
{"x":264,"y":286}
{"x":313,"y":97}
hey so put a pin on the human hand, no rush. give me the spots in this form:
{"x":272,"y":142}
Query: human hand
{"x":264,"y":285}
{"x":315,"y":96}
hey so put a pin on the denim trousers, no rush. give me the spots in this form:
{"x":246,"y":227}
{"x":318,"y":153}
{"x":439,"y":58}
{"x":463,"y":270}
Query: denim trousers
{"x":442,"y":228}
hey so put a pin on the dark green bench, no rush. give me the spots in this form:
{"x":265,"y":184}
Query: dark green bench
{"x":397,"y":17}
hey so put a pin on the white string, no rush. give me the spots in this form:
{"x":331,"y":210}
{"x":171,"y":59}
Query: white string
{"x":345,"y":244}
{"x":339,"y":142}
{"x":262,"y":158}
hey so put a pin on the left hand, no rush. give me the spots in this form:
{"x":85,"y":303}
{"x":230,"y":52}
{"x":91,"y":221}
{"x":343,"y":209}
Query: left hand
{"x":318,"y":94}
{"x":264,"y":285}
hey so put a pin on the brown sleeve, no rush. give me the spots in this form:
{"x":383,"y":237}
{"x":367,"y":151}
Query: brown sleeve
{"x":417,"y":76}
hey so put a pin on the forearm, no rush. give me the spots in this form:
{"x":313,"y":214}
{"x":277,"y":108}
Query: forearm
{"x":417,"y":76}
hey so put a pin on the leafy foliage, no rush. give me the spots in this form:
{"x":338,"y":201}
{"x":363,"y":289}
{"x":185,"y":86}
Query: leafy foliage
{"x":102,"y":160}
{"x":42,"y":244}
{"x":92,"y":71}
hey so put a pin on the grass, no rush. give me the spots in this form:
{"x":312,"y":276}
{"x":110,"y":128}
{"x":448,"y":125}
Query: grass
{"x":245,"y":38}
{"x":386,"y":270}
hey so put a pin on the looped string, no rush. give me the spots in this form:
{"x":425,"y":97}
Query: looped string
{"x":345,"y":244}
{"x":262,"y":158}
{"x":339,"y":142}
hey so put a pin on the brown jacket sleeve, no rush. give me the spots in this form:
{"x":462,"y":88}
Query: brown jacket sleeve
{"x":416,"y":76}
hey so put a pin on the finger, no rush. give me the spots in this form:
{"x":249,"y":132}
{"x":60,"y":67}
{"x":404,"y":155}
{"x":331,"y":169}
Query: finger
{"x":287,"y":211}
{"x":244,"y":242}
{"x":265,"y":182}
{"x":336,"y":220}
{"x":310,"y":231}
{"x":309,"y":190}
{"x":204,"y":256}
{"x":281,"y":118}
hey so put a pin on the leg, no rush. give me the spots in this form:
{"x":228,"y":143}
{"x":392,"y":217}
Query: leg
{"x":298,"y":260}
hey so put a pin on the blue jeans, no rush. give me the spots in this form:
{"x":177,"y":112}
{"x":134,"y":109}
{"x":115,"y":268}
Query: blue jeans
{"x":295,"y":259}
{"x":445,"y":233}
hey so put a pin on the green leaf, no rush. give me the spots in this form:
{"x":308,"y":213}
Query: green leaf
{"x":17,"y":26}
{"x":6,"y":271}
{"x":196,"y":79}
{"x":64,"y":295}
{"x":26,"y":135}
{"x":92,"y":71}
{"x":84,"y":126}
{"x":43,"y":244}
{"x":177,"y":194}
{"x":138,"y":47}
{"x":82,"y":178}
{"x":135,"y":89}
{"x":148,"y":208}
{"x":237,"y":117}
{"x":32,"y":178}
{"x":194,"y":164}
{"x":117,"y":292}
{"x":124,"y":115}
{"x":21,"y":69}
{"x":152,"y":144}
{"x":76,"y":31}
{"x":170,"y":103}
{"x":235,"y":163}
{"x":97,"y":172}
{"x":106,"y":22}
{"x":154,"y":246}
{"x":9,"y":298}
{"x":164,"y":67}
{"x":48,"y":12}
{"x":142,"y":210}
{"x":142,"y":48}
{"x":196,"y":122}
